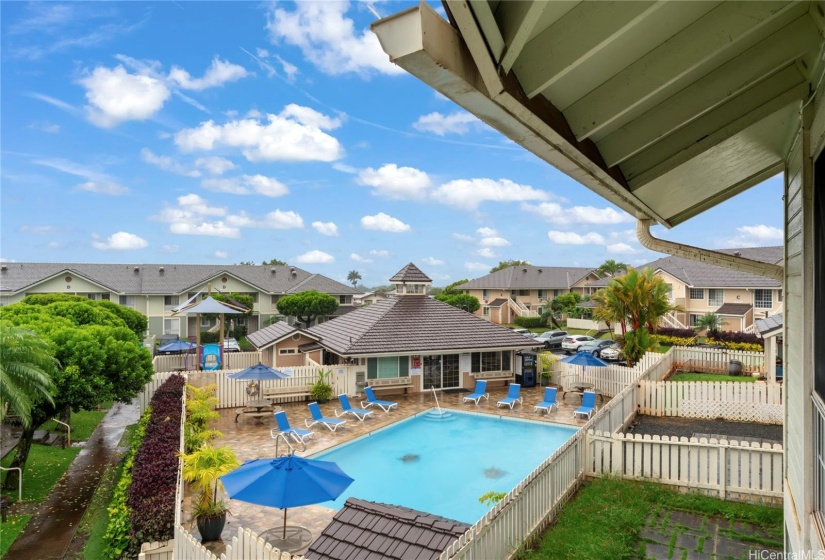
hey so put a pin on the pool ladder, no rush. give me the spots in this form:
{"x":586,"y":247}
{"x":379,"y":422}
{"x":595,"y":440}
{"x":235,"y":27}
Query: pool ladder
{"x":291,"y":449}
{"x":438,"y":406}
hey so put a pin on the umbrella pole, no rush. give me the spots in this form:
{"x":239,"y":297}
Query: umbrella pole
{"x":284,"y":524}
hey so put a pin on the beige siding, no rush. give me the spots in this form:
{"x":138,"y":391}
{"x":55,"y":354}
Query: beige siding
{"x":291,"y":360}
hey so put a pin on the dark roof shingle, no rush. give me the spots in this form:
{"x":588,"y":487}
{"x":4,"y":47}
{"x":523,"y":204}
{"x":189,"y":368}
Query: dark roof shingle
{"x":734,"y":309}
{"x":363,"y":529}
{"x":529,"y":277}
{"x":410,"y":273}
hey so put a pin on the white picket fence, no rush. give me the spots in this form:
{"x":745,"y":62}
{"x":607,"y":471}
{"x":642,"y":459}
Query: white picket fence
{"x":732,"y":400}
{"x":712,"y":360}
{"x":181,"y":362}
{"x":145,"y":397}
{"x":608,"y":381}
{"x":247,"y":545}
{"x":232,"y":393}
{"x":728,"y":469}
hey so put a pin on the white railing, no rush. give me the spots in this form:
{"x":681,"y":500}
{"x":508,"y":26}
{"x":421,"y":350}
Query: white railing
{"x":180,"y":362}
{"x":610,"y":380}
{"x":145,"y":397}
{"x":247,"y":545}
{"x":712,"y":360}
{"x":734,"y":400}
{"x":732,"y":469}
{"x":232,"y":393}
{"x":672,"y":321}
{"x":521,"y":309}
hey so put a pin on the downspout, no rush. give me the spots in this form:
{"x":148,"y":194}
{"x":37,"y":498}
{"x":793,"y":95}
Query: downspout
{"x":769,"y":270}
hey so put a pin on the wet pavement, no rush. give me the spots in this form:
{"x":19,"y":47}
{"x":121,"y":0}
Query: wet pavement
{"x":690,"y":427}
{"x":51,"y":529}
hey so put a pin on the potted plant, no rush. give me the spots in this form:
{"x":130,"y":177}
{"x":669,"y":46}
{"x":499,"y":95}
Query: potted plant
{"x":202,"y":468}
{"x":321,"y":390}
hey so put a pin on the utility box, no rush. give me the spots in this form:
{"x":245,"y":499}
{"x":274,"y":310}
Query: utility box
{"x":529,"y":368}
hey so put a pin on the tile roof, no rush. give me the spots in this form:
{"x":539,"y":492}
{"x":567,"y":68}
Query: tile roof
{"x":170,"y":278}
{"x":410,"y":273}
{"x":412,"y":324}
{"x":373,"y":531}
{"x":769,"y":324}
{"x":734,"y":309}
{"x":272,"y":333}
{"x":529,"y":277}
{"x":498,"y":302}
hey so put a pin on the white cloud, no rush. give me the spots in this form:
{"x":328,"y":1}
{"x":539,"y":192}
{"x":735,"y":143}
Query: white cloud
{"x":358,"y":258}
{"x":572,"y":238}
{"x":167,"y":164}
{"x":273,"y":220}
{"x":554,"y":212}
{"x":212,"y":229}
{"x":44,"y":126}
{"x":96,"y":181}
{"x":194,"y":216}
{"x":328,"y":39}
{"x":221,"y":254}
{"x":462,"y":237}
{"x":754,"y":236}
{"x":486,"y":232}
{"x":290,"y":69}
{"x":296,"y":134}
{"x":493,"y":242}
{"x":400,"y":183}
{"x":111,"y":189}
{"x":432,"y":261}
{"x":315,"y":257}
{"x":440,"y":124}
{"x":121,"y":241}
{"x":247,"y":184}
{"x":169,"y":248}
{"x":326,"y":228}
{"x":344,"y":168}
{"x":476,"y":266}
{"x":621,"y":248}
{"x":380,"y":253}
{"x":384,"y":222}
{"x":486,"y":252}
{"x":468,"y":194}
{"x":214,"y":164}
{"x":115,"y":96}
{"x":40,"y":230}
{"x":219,"y":73}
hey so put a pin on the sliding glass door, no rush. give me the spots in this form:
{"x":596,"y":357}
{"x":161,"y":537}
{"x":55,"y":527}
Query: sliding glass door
{"x":440,"y":372}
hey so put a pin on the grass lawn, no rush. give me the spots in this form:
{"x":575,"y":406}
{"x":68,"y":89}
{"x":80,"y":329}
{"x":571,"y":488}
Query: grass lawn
{"x":83,"y":423}
{"x":10,"y":530}
{"x":604,"y":519}
{"x":44,"y":468}
{"x":711,"y":377}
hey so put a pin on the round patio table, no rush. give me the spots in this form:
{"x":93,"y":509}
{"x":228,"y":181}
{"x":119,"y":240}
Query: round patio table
{"x":297,"y":538}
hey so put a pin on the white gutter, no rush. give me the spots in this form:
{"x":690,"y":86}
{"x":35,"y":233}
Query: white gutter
{"x":769,"y":270}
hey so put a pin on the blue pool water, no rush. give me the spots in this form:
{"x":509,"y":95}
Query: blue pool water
{"x":442,"y":465}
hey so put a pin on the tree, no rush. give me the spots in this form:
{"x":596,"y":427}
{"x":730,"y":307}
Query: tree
{"x":709,"y":322}
{"x":611,"y":268}
{"x":566,"y":303}
{"x":451,"y":288}
{"x":308,"y":305}
{"x":506,"y":264}
{"x":461,"y":301}
{"x":353,"y":277}
{"x":26,"y":369}
{"x":101,"y":358}
{"x":273,"y":262}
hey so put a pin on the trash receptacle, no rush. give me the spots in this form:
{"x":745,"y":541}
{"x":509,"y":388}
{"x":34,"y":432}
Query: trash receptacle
{"x":735,"y":367}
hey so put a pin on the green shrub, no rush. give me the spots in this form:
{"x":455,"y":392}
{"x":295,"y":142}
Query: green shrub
{"x":322,"y":389}
{"x":743,"y":346}
{"x":531,"y":322}
{"x":673,"y":340}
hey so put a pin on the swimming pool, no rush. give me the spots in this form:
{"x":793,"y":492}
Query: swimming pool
{"x":443,"y":465}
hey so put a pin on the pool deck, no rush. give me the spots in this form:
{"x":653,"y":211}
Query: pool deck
{"x":251,"y":440}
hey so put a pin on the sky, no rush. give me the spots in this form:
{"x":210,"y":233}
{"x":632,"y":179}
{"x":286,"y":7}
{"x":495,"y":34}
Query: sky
{"x":208,"y":133}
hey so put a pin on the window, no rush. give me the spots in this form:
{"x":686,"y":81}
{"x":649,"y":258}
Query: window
{"x":127,"y":301}
{"x":273,"y":301}
{"x":345,"y":300}
{"x":524,"y":292}
{"x":415,"y":289}
{"x":388,"y":366}
{"x":697,"y":293}
{"x":556,"y":293}
{"x":716,"y":297}
{"x":207,"y":323}
{"x":171,"y":326}
{"x":170,"y":301}
{"x":779,"y":295}
{"x":485,"y":294}
{"x":486,"y":312}
{"x":762,"y":299}
{"x":489,"y":361}
{"x":542,"y":295}
{"x":285,"y":351}
{"x":694,"y":319}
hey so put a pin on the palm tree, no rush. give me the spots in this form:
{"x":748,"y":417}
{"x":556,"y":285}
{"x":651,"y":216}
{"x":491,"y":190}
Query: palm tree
{"x":353,"y":277}
{"x":26,"y":368}
{"x":709,"y":322}
{"x":611,"y":268}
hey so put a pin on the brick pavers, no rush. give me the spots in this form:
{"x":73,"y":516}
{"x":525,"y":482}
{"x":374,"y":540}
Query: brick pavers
{"x":680,"y":535}
{"x":252,"y":441}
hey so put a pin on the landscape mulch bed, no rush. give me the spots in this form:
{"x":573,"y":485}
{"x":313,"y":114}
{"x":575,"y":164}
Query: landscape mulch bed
{"x":687,"y":427}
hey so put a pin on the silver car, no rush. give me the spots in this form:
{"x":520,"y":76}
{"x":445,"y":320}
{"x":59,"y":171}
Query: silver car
{"x":612,"y":353}
{"x":551,"y":339}
{"x":571,"y":344}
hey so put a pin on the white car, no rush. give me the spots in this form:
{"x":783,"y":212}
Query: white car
{"x":525,"y":332}
{"x":612,"y":353}
{"x":571,"y":344}
{"x":231,"y":345}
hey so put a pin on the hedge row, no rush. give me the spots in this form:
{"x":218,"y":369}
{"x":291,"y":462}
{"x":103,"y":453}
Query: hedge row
{"x":735,"y":337}
{"x":673,"y":340}
{"x":743,"y":346}
{"x":531,"y":322}
{"x":679,"y":333}
{"x":151,"y":495}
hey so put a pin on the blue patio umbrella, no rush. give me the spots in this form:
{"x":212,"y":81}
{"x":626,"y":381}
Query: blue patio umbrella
{"x":585,"y":359}
{"x":258,"y":372}
{"x":286,"y":482}
{"x":177,"y":346}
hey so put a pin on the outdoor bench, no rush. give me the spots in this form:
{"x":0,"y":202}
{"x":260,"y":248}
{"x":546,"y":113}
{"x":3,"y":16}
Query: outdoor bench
{"x":252,"y":412}
{"x":273,"y":393}
{"x":506,"y":376}
{"x":390,"y":383}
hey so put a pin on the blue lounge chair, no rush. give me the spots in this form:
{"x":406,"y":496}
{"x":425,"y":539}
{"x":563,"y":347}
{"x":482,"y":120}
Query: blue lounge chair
{"x":318,"y":418}
{"x":296,"y":434}
{"x":549,"y":401}
{"x":478,"y":392}
{"x":588,"y":406}
{"x":512,"y":396}
{"x":386,"y":406}
{"x":346,"y":408}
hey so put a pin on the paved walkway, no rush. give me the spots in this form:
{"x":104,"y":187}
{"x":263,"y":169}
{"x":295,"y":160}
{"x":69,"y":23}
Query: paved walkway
{"x":52,"y":528}
{"x":681,"y":535}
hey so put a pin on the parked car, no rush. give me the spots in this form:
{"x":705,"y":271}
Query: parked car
{"x":525,"y":332}
{"x":231,"y":345}
{"x":612,"y":353}
{"x":571,"y":344}
{"x":551,"y":339}
{"x":595,"y":347}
